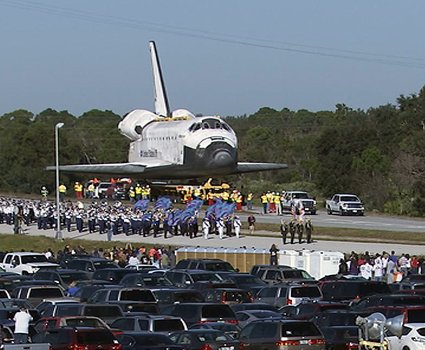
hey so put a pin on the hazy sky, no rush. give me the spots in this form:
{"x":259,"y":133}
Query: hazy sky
{"x":218,"y":57}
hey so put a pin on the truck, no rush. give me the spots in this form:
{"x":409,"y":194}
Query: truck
{"x":292,"y":198}
{"x":345,"y":204}
{"x":26,"y":263}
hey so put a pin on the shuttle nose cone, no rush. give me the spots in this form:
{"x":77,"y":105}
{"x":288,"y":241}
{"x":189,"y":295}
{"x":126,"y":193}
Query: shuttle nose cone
{"x":222,"y":158}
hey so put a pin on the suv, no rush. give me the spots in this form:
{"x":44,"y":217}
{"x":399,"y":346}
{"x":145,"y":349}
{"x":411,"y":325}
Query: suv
{"x":35,"y":294}
{"x":348,"y":290}
{"x":91,"y":265}
{"x":205,"y":264}
{"x":78,"y":338}
{"x":122,"y":294}
{"x":184,"y":278}
{"x":150,"y":323}
{"x":281,"y":334}
{"x":62,"y":277}
{"x":277,"y":274}
{"x":228,"y":296}
{"x":288,"y":294}
{"x":201,"y":312}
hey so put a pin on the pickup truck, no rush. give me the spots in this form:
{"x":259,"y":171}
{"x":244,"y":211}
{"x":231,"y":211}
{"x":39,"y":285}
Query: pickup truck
{"x":292,"y":198}
{"x":26,"y":263}
{"x":345,"y":204}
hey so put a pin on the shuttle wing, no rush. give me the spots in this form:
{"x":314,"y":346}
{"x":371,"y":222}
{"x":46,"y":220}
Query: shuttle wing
{"x":112,"y":169}
{"x":253,"y":167}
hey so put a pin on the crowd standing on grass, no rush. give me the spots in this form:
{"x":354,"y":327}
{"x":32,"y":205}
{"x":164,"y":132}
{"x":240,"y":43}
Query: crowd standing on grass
{"x":387,"y":267}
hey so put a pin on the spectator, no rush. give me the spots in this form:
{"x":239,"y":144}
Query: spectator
{"x":22,"y":320}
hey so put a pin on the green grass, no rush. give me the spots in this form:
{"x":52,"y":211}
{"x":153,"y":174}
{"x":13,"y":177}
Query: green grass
{"x":349,"y":234}
{"x":10,"y":242}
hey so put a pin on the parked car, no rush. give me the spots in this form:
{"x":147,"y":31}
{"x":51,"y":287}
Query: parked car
{"x":230,"y":329}
{"x":150,"y":323}
{"x":69,"y":321}
{"x":307,"y":310}
{"x":90,"y":265}
{"x":146,"y":341}
{"x":122,"y":294}
{"x":112,"y":275}
{"x":288,"y":294}
{"x":62,"y":277}
{"x":201,"y":312}
{"x":213,"y":339}
{"x":248,"y":316}
{"x":185,"y":278}
{"x":78,"y":338}
{"x":228,"y":296}
{"x":35,"y":294}
{"x":282,"y":334}
{"x":372,"y":301}
{"x":275,"y":274}
{"x":146,"y":280}
{"x":169,"y":296}
{"x":205,"y":264}
{"x":348,"y":290}
{"x":412,"y":338}
{"x":339,"y":329}
{"x":345,"y":204}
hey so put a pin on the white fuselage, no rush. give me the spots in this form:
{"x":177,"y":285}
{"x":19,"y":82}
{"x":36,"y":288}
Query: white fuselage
{"x":181,"y":140}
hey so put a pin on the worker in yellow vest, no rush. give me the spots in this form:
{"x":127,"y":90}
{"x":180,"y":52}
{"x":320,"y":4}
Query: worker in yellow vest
{"x":78,"y":189}
{"x":249,"y":198}
{"x":132,"y":194}
{"x":264,"y":202}
{"x":62,"y":191}
{"x":276,"y":200}
{"x":138,"y":191}
{"x":225,"y":196}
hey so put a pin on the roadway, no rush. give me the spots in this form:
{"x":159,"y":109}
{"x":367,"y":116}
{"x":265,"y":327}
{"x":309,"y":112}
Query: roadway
{"x":264,"y":239}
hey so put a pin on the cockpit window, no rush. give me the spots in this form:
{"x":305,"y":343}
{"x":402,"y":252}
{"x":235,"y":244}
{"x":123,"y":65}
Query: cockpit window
{"x":209,"y":124}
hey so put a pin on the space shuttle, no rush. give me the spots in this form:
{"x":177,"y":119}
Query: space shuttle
{"x":174,"y":144}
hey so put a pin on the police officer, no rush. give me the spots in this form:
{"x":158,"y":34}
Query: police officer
{"x":284,"y":230}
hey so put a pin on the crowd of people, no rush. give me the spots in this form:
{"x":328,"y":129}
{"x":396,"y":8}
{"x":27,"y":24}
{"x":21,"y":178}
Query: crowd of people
{"x":141,"y":218}
{"x":383,"y":266}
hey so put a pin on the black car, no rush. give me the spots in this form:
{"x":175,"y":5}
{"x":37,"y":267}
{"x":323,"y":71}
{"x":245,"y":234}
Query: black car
{"x":213,"y":339}
{"x":113,"y":274}
{"x":205,"y":264}
{"x":348,"y":290}
{"x":146,"y":341}
{"x":201,"y":312}
{"x":62,"y":277}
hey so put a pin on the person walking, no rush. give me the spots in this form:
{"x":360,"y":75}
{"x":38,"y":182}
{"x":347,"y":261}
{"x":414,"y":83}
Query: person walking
{"x":22,"y":320}
{"x":273,"y":254}
{"x":237,"y":225}
{"x":251,"y":224}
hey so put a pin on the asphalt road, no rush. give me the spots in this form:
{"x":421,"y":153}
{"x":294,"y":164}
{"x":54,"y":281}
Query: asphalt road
{"x":261,"y":240}
{"x":371,"y":222}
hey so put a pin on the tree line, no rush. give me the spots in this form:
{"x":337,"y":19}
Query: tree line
{"x":378,"y":153}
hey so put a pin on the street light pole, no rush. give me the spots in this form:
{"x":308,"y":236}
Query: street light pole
{"x":58,"y":222}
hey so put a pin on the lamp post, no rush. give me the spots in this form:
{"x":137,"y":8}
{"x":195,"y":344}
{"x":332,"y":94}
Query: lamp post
{"x":58,"y":222}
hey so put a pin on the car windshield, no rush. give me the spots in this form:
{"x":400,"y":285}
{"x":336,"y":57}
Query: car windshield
{"x":246,"y":279}
{"x":137,"y":295}
{"x":349,"y":199}
{"x":98,"y":265}
{"x":168,"y":325}
{"x":299,"y":329}
{"x":28,"y":259}
{"x":301,"y":292}
{"x":198,"y":277}
{"x":300,"y":195}
{"x":219,"y":266}
{"x":217,"y":311}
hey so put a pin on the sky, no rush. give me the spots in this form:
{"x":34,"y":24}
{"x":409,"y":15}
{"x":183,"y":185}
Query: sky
{"x":225,"y":58}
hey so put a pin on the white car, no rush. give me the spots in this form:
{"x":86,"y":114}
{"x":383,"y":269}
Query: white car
{"x":413,"y":338}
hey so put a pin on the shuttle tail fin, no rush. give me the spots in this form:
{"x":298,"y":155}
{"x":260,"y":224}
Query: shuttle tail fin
{"x":161,"y":101}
